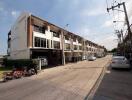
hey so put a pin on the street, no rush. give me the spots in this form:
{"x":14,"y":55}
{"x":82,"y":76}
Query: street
{"x":70,"y":82}
{"x":116,"y":85}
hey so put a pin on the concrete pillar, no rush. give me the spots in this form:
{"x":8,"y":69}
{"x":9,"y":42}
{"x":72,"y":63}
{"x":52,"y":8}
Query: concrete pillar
{"x":63,"y":46}
{"x":39,"y":64}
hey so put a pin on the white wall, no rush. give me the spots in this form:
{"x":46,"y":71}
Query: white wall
{"x":19,"y":48}
{"x":48,"y":35}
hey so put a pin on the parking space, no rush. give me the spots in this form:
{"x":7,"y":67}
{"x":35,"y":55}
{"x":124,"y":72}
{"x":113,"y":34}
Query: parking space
{"x":116,"y":85}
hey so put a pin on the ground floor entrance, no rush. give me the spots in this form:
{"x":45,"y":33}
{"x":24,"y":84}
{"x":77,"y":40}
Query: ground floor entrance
{"x":73,"y":56}
{"x":54,"y":57}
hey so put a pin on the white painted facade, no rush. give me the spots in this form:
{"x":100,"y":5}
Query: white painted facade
{"x":48,"y":36}
{"x":18,"y":44}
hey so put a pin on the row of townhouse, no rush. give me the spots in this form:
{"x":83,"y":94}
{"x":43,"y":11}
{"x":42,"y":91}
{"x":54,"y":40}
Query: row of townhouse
{"x":32,"y":37}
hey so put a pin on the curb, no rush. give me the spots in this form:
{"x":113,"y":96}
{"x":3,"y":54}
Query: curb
{"x":91,"y":94}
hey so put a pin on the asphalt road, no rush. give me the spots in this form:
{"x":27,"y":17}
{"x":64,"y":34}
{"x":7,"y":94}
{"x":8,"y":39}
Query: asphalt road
{"x":116,"y":85}
{"x":69,"y":82}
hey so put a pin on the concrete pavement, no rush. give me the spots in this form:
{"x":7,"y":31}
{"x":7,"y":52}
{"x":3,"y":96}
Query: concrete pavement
{"x":70,"y":82}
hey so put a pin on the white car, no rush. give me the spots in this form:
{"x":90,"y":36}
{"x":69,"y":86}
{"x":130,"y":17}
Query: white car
{"x":84,"y":58}
{"x":120,"y":62}
{"x":91,"y":58}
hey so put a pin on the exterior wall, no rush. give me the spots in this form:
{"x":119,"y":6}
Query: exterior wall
{"x":18,"y":48}
{"x":22,"y":39}
{"x":48,"y":35}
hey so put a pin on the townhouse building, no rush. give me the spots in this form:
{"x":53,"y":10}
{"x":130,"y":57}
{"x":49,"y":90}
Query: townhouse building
{"x":32,"y":37}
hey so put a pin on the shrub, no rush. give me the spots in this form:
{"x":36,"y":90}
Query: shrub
{"x":19,"y":62}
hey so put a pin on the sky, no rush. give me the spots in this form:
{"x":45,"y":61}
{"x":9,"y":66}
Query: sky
{"x":87,"y":18}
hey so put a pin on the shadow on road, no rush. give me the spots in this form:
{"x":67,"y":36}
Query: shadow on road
{"x":116,"y":85}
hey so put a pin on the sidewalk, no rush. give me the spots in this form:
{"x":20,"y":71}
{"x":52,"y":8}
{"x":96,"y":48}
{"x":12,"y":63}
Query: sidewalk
{"x":116,"y":85}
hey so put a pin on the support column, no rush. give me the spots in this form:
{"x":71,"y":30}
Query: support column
{"x":63,"y":46}
{"x":29,"y":32}
{"x":40,"y":64}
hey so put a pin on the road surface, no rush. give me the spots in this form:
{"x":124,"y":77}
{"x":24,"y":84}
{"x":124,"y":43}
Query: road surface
{"x":70,"y":82}
{"x":116,"y":85}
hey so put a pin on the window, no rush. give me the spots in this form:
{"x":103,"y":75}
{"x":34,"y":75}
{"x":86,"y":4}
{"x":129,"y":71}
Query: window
{"x":80,"y":47}
{"x":56,"y":45}
{"x":87,"y":48}
{"x":75,"y":47}
{"x":47,"y":43}
{"x":43,"y":42}
{"x":67,"y":46}
{"x":55,"y":34}
{"x":74,"y":39}
{"x":67,"y":38}
{"x":37,"y":42}
{"x":79,"y":41}
{"x":40,"y":29}
{"x":40,"y":42}
{"x":51,"y":44}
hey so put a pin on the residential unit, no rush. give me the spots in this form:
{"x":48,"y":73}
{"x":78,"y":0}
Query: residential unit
{"x":32,"y":37}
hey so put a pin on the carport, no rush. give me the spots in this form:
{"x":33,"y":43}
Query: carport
{"x":54,"y":57}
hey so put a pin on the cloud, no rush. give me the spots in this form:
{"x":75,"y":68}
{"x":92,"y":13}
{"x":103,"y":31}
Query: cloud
{"x":85,"y":32}
{"x":107,"y":23}
{"x":119,"y":19}
{"x":104,"y":39}
{"x":93,"y":12}
{"x":15,"y":13}
{"x":82,"y":17}
{"x":120,"y":16}
{"x":109,"y":41}
{"x":1,"y":9}
{"x":129,"y":7}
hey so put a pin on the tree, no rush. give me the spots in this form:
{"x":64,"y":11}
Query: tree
{"x":113,"y":50}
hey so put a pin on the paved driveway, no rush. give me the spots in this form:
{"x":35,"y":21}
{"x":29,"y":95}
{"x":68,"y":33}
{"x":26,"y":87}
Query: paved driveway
{"x":70,"y":82}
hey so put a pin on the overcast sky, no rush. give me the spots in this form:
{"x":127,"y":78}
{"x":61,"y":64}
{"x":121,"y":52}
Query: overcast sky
{"x":87,"y":18}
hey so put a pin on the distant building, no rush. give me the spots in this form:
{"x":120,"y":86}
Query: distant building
{"x":32,"y":37}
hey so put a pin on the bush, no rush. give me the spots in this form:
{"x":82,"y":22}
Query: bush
{"x":20,"y":62}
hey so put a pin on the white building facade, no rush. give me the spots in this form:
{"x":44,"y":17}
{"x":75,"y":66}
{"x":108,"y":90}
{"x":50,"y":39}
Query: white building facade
{"x":32,"y":37}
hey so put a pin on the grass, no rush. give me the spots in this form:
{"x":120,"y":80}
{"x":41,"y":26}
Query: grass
{"x":4,"y":69}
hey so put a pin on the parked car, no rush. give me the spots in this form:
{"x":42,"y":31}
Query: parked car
{"x":44,"y":61}
{"x":99,"y":55}
{"x":120,"y":62}
{"x":91,"y":58}
{"x":84,"y":57}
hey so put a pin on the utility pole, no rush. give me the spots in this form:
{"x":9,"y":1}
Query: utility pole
{"x":126,"y":16}
{"x":126,"y":19}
